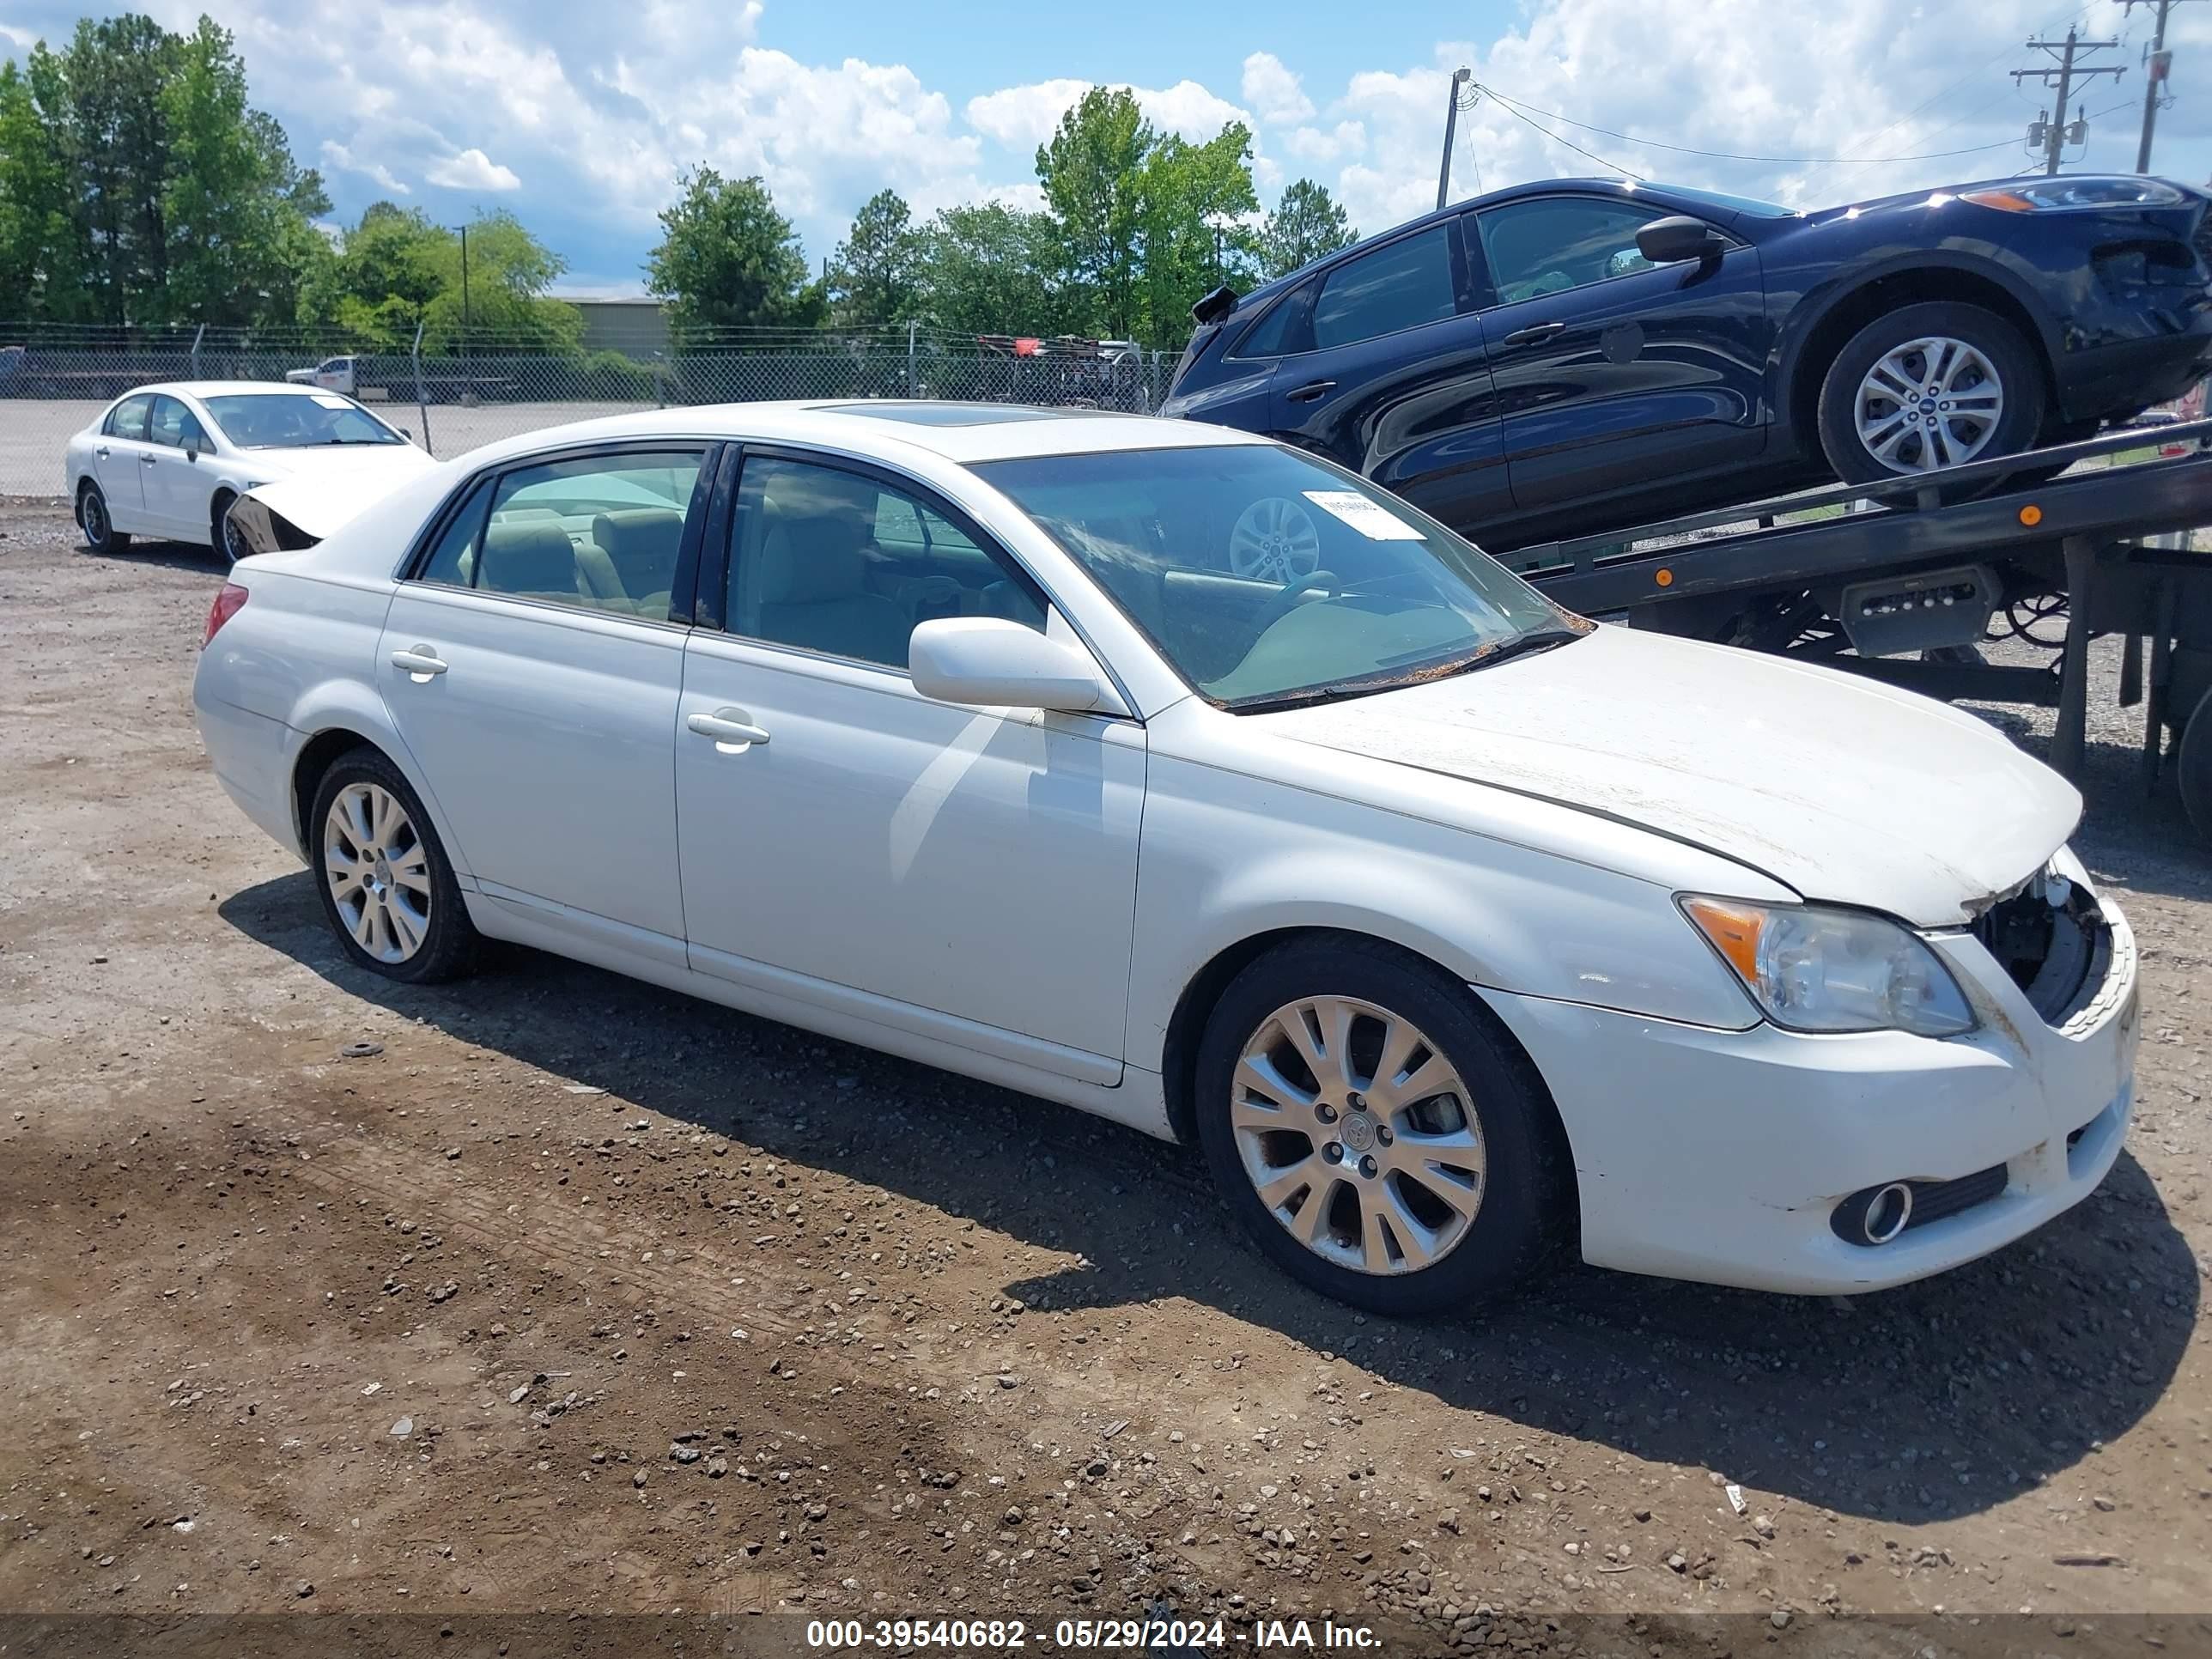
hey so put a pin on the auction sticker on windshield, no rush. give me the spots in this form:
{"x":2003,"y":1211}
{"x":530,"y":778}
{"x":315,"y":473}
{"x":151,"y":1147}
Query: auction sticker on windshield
{"x":1370,"y":518}
{"x":328,"y":402}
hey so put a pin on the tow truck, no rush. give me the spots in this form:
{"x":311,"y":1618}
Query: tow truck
{"x":1904,"y":580}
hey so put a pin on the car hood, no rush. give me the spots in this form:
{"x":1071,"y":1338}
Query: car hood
{"x":1842,"y":789}
{"x":330,"y":488}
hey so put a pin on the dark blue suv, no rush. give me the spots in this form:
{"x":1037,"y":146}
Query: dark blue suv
{"x":1584,"y":354}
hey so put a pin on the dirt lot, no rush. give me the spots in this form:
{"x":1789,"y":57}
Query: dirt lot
{"x":569,"y":1293}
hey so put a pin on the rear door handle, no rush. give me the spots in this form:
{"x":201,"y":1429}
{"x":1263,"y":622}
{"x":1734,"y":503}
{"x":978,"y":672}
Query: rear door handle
{"x":727,"y":727}
{"x":102,"y":451}
{"x":1312,"y":390}
{"x":1530,"y":336}
{"x":422,"y":661}
{"x":149,"y":460}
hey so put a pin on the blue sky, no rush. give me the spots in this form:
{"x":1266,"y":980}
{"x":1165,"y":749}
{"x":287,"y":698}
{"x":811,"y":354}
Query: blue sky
{"x":579,"y":117}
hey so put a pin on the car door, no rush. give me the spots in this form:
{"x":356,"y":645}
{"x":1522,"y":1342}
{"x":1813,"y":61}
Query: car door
{"x":964,"y":875}
{"x":118,"y":460}
{"x":1614,"y":374}
{"x":532,"y":666}
{"x":177,"y":482}
{"x":1387,"y":373}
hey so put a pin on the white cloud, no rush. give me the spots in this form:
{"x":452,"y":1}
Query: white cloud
{"x":472,"y":170}
{"x":1274,"y":91}
{"x":1025,"y":116}
{"x":1345,"y":139}
{"x":338,"y":155}
{"x":21,"y":40}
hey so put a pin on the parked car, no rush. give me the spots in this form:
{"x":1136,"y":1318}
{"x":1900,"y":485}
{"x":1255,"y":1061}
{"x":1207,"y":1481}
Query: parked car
{"x":1569,"y":356}
{"x":332,"y":374}
{"x":169,"y":460}
{"x":1446,"y":923}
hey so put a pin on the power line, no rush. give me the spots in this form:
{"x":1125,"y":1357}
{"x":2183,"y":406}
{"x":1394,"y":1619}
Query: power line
{"x":1506,"y":105}
{"x":1730,"y":155}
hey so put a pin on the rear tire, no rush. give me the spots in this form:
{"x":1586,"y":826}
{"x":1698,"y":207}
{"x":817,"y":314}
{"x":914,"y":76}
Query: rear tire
{"x":100,"y":534}
{"x":1921,"y":408}
{"x":387,"y":887}
{"x":1463,"y":1174}
{"x":2193,"y":767}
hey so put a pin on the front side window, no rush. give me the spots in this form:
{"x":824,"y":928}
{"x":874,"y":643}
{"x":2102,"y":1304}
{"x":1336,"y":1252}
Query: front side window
{"x":296,"y":420}
{"x":841,"y":563}
{"x":128,"y":419}
{"x":174,"y":425}
{"x":1266,"y":577}
{"x":1548,"y":246}
{"x":1401,"y":286}
{"x":601,"y":533}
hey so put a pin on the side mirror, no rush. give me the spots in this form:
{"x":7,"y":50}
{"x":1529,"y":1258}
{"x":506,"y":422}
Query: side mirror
{"x":1673,"y":239}
{"x":992,"y":663}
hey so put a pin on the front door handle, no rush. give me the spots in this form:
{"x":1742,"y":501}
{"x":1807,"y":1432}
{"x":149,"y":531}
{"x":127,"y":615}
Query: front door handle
{"x":149,"y":460}
{"x":729,"y":727}
{"x":1312,"y":390}
{"x":1530,"y":336}
{"x":422,"y":661}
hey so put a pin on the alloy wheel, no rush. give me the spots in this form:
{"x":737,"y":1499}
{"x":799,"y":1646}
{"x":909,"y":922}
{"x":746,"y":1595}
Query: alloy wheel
{"x":1929,"y":403}
{"x":379,"y":872}
{"x":1274,"y":540}
{"x":1359,"y":1135}
{"x":93,"y":518}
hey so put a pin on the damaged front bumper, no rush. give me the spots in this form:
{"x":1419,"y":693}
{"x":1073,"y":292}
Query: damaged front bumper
{"x":1723,"y":1156}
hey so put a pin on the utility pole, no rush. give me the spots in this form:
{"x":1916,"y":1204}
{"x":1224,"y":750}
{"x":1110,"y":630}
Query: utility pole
{"x":1451,"y":126}
{"x":2052,"y":132}
{"x":2157,"y":63}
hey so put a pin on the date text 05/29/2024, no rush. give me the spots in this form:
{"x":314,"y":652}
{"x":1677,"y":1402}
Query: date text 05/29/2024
{"x":1125,"y":1635}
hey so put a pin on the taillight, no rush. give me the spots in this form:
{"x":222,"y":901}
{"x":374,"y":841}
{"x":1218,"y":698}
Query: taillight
{"x":228,"y":604}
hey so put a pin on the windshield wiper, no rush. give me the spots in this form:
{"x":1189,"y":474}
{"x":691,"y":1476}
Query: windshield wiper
{"x":1521,"y":645}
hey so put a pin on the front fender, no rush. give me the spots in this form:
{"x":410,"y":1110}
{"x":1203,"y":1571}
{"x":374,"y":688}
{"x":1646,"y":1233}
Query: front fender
{"x":1490,"y":912}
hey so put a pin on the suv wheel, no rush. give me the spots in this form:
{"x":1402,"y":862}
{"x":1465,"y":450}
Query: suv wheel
{"x":1927,"y":386}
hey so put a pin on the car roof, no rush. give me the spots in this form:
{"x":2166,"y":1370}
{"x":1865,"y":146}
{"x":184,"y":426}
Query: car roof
{"x":964,"y":433}
{"x":221,"y":388}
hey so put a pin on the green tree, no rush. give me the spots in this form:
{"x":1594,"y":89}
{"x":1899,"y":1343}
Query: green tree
{"x":990,"y":268}
{"x":138,"y":185}
{"x":1305,"y":224}
{"x":1093,"y":175}
{"x":874,"y":274}
{"x":397,"y":269}
{"x":237,"y":211}
{"x":727,"y":259}
{"x":1198,"y":203}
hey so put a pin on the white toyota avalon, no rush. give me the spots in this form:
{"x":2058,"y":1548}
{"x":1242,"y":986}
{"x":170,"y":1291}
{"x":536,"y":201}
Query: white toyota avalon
{"x":1181,"y":777}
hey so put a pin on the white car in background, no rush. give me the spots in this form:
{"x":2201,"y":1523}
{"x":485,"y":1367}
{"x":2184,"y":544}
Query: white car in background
{"x":169,"y":460}
{"x":1185,"y":778}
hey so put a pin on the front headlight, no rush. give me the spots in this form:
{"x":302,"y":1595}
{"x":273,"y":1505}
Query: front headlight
{"x":2047,"y":195}
{"x":1815,"y":969}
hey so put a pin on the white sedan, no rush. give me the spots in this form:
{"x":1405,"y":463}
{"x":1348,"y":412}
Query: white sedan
{"x":169,"y":460}
{"x":1177,"y":775}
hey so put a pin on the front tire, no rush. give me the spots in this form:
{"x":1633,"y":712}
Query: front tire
{"x":387,"y":888}
{"x":1381,"y":1140}
{"x":224,"y":539}
{"x":1928,"y":386}
{"x":100,"y":534}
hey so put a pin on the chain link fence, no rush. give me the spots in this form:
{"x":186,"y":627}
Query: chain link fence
{"x":55,"y":381}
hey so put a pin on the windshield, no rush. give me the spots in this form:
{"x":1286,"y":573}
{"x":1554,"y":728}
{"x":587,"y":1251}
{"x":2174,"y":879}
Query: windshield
{"x":272,"y":420}
{"x":1266,"y":577}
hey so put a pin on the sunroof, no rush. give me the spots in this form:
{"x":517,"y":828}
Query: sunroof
{"x":927,"y":414}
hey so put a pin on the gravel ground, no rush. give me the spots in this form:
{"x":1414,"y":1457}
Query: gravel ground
{"x":550,"y":1290}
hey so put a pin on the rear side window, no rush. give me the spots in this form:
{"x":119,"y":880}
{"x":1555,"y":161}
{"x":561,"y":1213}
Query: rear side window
{"x":1282,"y":331}
{"x":1396,"y":287}
{"x":600,"y":532}
{"x":128,"y":419}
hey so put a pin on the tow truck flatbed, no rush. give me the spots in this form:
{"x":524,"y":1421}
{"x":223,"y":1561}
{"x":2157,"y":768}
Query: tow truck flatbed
{"x":1899,"y":581}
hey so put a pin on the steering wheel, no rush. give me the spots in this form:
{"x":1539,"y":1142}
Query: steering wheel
{"x":1275,"y":539}
{"x":1288,"y":597}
